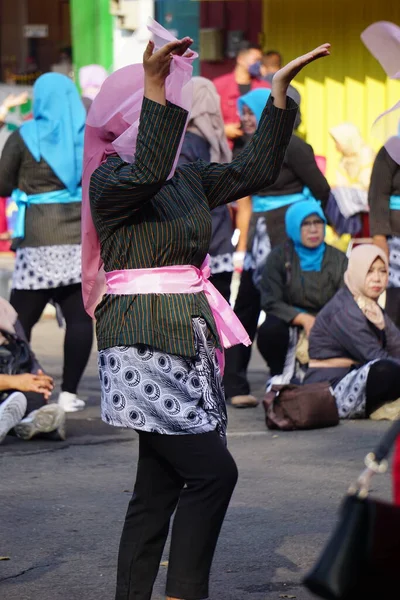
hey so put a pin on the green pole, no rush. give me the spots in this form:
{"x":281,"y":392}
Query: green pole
{"x":104,"y":39}
{"x":92,"y":33}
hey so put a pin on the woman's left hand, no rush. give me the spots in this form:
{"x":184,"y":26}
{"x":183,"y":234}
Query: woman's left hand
{"x":284,"y":76}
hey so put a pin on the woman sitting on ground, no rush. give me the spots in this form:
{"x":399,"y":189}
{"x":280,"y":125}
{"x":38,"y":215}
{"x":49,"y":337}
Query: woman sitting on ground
{"x":355,"y":345}
{"x":23,"y":396}
{"x":300,"y":277}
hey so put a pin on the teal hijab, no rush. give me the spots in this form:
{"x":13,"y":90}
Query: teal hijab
{"x":255,"y":100}
{"x":310,"y":258}
{"x":56,"y":132}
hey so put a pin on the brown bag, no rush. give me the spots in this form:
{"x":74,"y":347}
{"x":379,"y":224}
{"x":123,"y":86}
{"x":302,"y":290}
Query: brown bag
{"x":310,"y":406}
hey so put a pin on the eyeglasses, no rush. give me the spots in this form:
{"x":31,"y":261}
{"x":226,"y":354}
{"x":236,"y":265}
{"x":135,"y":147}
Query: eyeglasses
{"x":310,"y":224}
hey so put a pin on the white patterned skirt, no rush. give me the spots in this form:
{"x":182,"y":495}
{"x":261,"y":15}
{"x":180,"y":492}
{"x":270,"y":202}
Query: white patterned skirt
{"x":350,"y":393}
{"x":394,"y":262}
{"x":149,"y":390}
{"x":47,"y":267}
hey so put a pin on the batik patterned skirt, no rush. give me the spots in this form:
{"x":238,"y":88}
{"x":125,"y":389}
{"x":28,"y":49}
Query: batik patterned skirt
{"x":149,"y":390}
{"x":350,"y":393}
{"x":394,"y":262}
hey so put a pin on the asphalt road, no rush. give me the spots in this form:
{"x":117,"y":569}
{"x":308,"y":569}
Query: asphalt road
{"x":62,"y":504}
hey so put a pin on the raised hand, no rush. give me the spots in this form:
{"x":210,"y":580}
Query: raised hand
{"x":157,"y":64}
{"x":13,"y":100}
{"x":284,"y":76}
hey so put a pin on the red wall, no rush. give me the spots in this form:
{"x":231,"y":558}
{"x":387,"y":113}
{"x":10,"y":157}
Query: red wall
{"x":230,"y":15}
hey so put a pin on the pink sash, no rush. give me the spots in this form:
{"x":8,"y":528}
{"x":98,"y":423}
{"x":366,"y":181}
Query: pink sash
{"x":183,"y":279}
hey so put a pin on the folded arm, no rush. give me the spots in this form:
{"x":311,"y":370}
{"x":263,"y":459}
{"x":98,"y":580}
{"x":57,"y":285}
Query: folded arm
{"x":273,"y":285}
{"x":357,"y":337}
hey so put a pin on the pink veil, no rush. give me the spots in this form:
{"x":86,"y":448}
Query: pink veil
{"x":383,"y":41}
{"x":112,"y":126}
{"x":91,"y":78}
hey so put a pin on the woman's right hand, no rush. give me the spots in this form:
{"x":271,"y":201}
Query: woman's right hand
{"x":233,"y":131}
{"x":305,"y":321}
{"x":29,"y":382}
{"x":157,"y":64}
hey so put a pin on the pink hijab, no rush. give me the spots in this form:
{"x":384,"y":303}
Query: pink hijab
{"x":91,"y":78}
{"x":383,"y":41}
{"x":112,"y":126}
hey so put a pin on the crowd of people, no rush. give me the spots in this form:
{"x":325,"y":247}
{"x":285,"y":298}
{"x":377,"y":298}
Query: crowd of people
{"x":288,"y":271}
{"x":131,"y":225}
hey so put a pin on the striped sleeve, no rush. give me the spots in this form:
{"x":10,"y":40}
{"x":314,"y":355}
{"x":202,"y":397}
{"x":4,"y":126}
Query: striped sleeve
{"x":258,"y":166}
{"x":118,"y":188}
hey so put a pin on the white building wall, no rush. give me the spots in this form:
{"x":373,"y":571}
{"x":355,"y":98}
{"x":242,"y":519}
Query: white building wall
{"x":130,"y":45}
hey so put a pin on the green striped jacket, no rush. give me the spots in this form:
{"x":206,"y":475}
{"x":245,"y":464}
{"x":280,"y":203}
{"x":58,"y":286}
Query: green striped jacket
{"x":144,"y":220}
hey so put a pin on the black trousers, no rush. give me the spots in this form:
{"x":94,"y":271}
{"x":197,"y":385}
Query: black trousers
{"x":33,"y":400}
{"x":166,"y":464}
{"x":273,"y":343}
{"x":383,"y":384}
{"x":222,"y":281}
{"x":247,"y":308}
{"x":78,"y":340}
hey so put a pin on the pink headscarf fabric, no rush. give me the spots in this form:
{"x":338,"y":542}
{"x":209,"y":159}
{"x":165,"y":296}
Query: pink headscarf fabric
{"x":112,"y":126}
{"x":91,"y":78}
{"x":383,"y":41}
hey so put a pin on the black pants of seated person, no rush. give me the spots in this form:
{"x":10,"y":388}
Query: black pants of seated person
{"x":34,"y":400}
{"x":383,"y":384}
{"x":273,"y":343}
{"x":247,"y":308}
{"x":166,"y":463}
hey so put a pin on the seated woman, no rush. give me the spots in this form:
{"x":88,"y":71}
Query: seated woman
{"x":299,"y":278}
{"x":23,"y":396}
{"x":355,"y":345}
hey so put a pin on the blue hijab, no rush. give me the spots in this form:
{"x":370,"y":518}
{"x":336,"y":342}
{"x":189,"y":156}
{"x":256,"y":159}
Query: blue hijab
{"x":255,"y":101}
{"x":56,"y":132}
{"x":310,"y":258}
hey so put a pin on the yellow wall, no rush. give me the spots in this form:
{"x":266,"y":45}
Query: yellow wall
{"x":348,"y":86}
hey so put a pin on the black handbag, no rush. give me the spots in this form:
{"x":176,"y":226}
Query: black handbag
{"x":362,"y":557}
{"x":15,"y":355}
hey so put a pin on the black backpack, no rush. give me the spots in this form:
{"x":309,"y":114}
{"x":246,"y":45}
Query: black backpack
{"x":15,"y":355}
